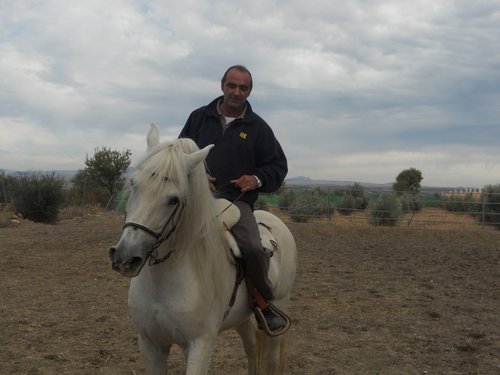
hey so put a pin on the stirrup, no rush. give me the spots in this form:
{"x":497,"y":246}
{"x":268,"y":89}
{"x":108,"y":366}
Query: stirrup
{"x":262,"y":323}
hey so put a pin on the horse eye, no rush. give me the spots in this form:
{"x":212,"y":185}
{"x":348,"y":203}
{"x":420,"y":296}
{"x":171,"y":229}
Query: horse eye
{"x":173,"y":201}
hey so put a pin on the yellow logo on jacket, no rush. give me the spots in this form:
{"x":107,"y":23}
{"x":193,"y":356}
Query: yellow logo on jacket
{"x":243,"y":135}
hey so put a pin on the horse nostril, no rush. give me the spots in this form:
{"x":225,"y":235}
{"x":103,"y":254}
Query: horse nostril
{"x":135,"y":262}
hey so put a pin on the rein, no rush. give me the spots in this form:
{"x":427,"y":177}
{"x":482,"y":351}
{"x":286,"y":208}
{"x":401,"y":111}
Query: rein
{"x":161,"y":237}
{"x":230,"y":204}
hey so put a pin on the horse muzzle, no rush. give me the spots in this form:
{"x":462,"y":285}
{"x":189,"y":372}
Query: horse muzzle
{"x":129,"y":267}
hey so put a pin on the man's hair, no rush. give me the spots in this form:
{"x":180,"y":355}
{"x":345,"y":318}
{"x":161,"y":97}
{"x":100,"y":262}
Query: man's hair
{"x":240,"y":68}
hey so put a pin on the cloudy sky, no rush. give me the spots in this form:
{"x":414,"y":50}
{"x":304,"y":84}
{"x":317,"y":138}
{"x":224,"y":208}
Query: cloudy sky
{"x":354,"y":90}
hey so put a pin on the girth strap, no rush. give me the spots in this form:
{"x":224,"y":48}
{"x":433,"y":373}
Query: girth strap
{"x":239,"y":278}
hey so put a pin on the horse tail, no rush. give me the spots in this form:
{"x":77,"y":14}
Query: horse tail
{"x":271,"y":354}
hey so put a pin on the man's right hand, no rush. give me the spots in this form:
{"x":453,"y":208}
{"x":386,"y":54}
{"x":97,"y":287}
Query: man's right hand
{"x":211,"y":182}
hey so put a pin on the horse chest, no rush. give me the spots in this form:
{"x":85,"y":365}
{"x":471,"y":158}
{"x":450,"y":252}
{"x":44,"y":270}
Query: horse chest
{"x":169,"y":311}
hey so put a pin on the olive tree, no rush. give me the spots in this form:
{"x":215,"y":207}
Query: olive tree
{"x":408,"y":181}
{"x":101,"y":177}
{"x":106,"y":167}
{"x":407,"y":187}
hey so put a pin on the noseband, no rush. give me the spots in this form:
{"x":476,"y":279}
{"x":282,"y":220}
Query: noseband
{"x":160,"y":236}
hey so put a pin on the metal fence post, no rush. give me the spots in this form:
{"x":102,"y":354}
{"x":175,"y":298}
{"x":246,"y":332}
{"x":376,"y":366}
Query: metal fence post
{"x":483,"y":204}
{"x":329,"y":210}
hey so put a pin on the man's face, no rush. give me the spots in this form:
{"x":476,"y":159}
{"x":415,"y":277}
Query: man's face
{"x":236,"y":89}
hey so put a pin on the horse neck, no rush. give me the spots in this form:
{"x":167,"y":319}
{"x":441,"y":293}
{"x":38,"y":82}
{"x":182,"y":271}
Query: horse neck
{"x":202,"y":255}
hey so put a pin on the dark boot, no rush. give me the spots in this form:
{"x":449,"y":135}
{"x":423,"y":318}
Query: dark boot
{"x":257,"y":268}
{"x":273,"y":320}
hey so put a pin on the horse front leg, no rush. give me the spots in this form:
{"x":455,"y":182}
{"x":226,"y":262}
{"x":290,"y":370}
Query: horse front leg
{"x":199,"y":353}
{"x":155,"y":358}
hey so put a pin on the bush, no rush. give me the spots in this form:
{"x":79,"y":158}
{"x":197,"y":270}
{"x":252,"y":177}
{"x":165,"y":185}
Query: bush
{"x":285,"y":198}
{"x":305,"y":206}
{"x":409,"y":202}
{"x":353,"y":199}
{"x":85,"y":191}
{"x":38,"y":197}
{"x":459,"y":203}
{"x":6,"y":187}
{"x":348,"y":205}
{"x":386,"y":210}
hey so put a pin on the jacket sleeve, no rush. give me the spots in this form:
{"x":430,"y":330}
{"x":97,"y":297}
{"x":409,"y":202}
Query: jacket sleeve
{"x":272,"y":165}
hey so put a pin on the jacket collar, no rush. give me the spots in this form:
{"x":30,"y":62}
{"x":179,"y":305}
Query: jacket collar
{"x":213,"y":107}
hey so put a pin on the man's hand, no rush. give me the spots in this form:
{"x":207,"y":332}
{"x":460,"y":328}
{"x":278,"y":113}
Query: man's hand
{"x":211,"y":181}
{"x":246,"y":183}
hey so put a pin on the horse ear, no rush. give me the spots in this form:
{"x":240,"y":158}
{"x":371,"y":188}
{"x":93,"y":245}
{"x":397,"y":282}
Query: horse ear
{"x":198,"y":156}
{"x":153,"y":137}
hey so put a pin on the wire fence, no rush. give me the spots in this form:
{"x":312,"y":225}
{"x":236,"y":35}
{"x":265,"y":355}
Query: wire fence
{"x":432,"y":209}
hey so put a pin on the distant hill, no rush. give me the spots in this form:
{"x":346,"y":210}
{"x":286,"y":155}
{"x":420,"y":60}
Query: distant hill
{"x":303,"y":181}
{"x":309,"y":183}
{"x":67,"y":175}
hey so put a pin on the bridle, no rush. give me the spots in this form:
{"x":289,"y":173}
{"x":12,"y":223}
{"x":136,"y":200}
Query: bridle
{"x":160,"y":236}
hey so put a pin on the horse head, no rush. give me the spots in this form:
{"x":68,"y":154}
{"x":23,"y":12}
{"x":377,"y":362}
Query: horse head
{"x":158,"y":194}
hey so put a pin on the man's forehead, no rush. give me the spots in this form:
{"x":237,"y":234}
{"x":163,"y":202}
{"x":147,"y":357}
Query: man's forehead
{"x":237,"y":75}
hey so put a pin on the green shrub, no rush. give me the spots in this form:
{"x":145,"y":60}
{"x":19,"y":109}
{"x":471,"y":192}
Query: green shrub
{"x":86,"y":191}
{"x":353,"y":199}
{"x":38,"y":197}
{"x":285,"y":198}
{"x":409,"y":202}
{"x":305,"y":206}
{"x":348,"y":205}
{"x":459,"y":203}
{"x":6,"y":187}
{"x":386,"y":210}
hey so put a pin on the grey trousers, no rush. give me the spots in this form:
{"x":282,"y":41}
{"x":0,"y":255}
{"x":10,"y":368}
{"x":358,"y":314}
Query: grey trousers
{"x":255,"y":260}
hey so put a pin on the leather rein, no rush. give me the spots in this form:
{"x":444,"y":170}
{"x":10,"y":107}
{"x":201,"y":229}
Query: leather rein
{"x":160,"y":236}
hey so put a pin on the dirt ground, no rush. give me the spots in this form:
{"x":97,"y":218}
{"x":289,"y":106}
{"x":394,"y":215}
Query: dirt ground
{"x":367,"y":300}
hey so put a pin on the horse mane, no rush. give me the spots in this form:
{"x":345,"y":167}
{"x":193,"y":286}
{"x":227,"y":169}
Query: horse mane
{"x":198,"y":233}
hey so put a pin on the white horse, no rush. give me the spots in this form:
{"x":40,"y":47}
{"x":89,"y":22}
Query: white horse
{"x":171,"y":214}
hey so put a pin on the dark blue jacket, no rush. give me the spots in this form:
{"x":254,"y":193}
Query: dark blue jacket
{"x":247,"y":147}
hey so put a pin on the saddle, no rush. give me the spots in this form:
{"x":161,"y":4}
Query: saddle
{"x":228,"y":216}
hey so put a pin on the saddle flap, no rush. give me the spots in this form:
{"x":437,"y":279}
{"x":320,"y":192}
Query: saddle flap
{"x":227,"y":213}
{"x":268,"y":241}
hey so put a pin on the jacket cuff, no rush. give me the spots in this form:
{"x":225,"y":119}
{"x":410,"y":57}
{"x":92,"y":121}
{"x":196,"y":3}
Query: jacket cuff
{"x":259,"y":182}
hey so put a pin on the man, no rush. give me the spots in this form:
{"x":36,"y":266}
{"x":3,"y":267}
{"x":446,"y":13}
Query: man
{"x":247,"y":159}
